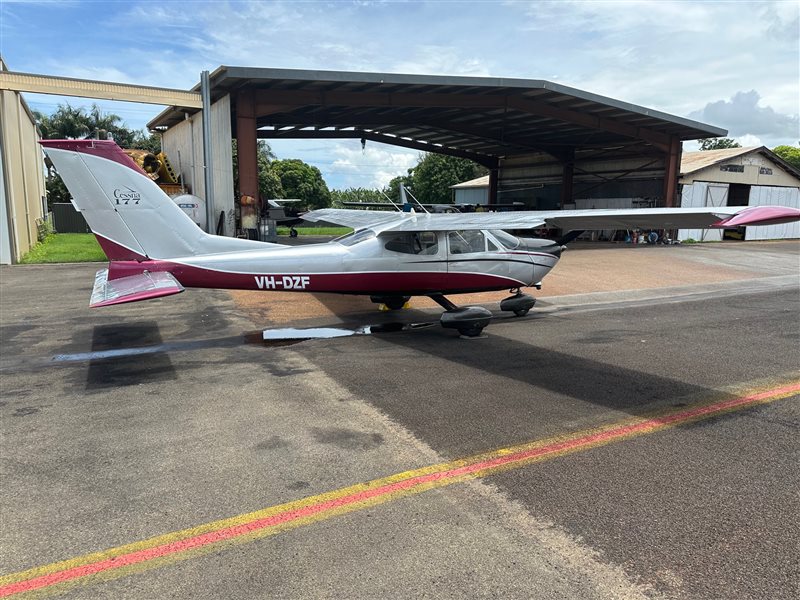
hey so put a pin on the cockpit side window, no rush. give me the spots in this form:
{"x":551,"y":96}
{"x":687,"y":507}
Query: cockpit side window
{"x":467,"y":241}
{"x":413,"y":242}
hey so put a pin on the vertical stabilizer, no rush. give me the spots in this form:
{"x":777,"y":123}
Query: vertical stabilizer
{"x":131,"y":216}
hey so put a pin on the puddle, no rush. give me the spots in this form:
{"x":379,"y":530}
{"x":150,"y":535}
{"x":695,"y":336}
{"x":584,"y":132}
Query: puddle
{"x":293,"y":334}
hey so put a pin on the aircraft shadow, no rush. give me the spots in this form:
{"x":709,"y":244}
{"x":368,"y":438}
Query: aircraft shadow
{"x":523,"y":391}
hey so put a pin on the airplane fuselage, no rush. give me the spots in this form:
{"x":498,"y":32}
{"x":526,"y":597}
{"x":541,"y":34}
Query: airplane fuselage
{"x":365,"y":263}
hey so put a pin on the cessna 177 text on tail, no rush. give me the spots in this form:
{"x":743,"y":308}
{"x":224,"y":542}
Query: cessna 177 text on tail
{"x":156,"y":250}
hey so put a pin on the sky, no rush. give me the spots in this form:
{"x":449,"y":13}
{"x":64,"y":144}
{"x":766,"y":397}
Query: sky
{"x":735,"y":65}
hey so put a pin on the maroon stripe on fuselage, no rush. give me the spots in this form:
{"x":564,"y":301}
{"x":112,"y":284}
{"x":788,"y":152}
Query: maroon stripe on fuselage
{"x":409,"y":283}
{"x":116,"y":252}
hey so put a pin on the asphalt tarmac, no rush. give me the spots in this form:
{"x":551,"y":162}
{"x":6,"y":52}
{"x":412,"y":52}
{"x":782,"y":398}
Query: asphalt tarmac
{"x":160,"y":418}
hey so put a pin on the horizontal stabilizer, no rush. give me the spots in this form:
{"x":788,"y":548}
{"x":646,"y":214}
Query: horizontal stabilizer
{"x":761,"y":215}
{"x":133,"y":288}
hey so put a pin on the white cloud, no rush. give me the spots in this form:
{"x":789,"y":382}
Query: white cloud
{"x":675,"y":56}
{"x":742,"y":116}
{"x":748,"y":140}
{"x":376,"y":164}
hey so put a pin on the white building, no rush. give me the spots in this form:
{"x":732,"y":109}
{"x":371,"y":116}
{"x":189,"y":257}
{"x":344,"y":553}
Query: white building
{"x":739,"y":177}
{"x":22,"y":185}
{"x":731,"y":177}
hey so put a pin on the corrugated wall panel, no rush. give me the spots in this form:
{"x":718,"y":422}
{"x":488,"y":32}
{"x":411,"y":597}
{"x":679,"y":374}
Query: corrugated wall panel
{"x":187,"y":138}
{"x":777,"y":196}
{"x":699,"y":195}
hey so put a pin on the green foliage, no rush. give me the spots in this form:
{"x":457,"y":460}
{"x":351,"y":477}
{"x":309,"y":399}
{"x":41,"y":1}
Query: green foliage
{"x":718,"y":144}
{"x":435,"y":173}
{"x":151,"y":142}
{"x":301,"y":180}
{"x":791,"y":154}
{"x":56,"y":190}
{"x":355,"y":195}
{"x":393,"y":189}
{"x":68,"y":122}
{"x":65,"y":248}
{"x":269,"y":184}
{"x":301,"y":230}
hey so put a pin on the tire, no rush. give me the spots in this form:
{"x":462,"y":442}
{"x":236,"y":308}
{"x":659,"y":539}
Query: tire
{"x":396,"y":303}
{"x":522,"y":312}
{"x":470,"y":331}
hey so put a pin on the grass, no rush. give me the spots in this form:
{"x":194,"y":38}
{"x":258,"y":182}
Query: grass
{"x":83,"y":247}
{"x":316,"y":230}
{"x":65,"y":248}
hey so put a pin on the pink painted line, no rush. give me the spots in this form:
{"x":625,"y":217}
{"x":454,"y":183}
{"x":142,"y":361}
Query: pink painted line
{"x":228,"y":533}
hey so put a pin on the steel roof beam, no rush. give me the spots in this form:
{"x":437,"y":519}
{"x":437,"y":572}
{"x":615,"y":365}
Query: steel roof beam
{"x":487,"y":161}
{"x":104,"y":90}
{"x":434,"y":100}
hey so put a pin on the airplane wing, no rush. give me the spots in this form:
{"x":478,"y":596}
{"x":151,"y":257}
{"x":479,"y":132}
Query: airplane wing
{"x":133,"y":288}
{"x":568,"y":220}
{"x":357,"y":219}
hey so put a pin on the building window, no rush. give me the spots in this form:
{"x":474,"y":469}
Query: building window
{"x":732,"y":168}
{"x":764,"y":171}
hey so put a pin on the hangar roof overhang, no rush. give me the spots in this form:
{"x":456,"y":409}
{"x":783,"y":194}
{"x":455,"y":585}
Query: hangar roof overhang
{"x":482,"y":118}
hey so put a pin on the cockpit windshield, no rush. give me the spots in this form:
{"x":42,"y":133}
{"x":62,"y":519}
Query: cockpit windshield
{"x":508,"y":240}
{"x":351,"y":239}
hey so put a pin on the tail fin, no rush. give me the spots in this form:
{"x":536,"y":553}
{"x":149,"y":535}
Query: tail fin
{"x":131,"y":216}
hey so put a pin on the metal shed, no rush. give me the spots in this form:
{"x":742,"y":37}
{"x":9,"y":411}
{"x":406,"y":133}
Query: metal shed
{"x":753,"y":176}
{"x":541,"y":141}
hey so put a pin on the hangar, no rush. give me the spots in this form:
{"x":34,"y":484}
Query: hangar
{"x":543,"y":143}
{"x":739,"y":177}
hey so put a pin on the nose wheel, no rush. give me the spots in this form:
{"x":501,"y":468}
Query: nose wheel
{"x":469,"y":321}
{"x":520,"y":304}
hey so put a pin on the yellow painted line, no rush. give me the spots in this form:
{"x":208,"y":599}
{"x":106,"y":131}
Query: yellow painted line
{"x":187,"y":543}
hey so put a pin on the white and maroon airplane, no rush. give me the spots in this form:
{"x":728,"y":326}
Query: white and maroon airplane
{"x":156,"y":250}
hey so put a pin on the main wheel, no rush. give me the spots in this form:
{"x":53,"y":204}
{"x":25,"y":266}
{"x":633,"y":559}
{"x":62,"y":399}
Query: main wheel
{"x":396,"y":303}
{"x":470,"y":331}
{"x":522,"y":312}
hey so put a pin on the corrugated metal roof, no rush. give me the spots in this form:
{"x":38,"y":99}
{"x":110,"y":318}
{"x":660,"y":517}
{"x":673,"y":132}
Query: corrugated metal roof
{"x":477,"y":116}
{"x":695,"y":161}
{"x":478,"y":182}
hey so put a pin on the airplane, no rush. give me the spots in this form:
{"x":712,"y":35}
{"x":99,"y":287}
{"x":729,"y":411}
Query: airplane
{"x":155,"y":250}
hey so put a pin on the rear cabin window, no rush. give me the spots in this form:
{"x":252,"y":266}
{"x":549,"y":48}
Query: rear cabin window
{"x":417,"y":242}
{"x":466,"y":242}
{"x":351,"y":239}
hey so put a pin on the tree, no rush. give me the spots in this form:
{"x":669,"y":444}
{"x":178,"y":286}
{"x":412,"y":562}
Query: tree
{"x":356,"y":195}
{"x":68,"y":122}
{"x":435,"y":173}
{"x":301,"y":180}
{"x":791,"y":154}
{"x":718,"y":144}
{"x":269,"y":183}
{"x":393,"y":189}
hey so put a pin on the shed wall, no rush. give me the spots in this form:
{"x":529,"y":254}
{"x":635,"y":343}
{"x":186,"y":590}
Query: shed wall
{"x":23,"y":190}
{"x":776,"y":196}
{"x":186,"y":138}
{"x":476,"y":195}
{"x":753,"y":164}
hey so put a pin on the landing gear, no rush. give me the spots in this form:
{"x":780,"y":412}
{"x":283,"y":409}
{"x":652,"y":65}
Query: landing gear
{"x":391,"y":302}
{"x":519,"y":303}
{"x":468,"y":320}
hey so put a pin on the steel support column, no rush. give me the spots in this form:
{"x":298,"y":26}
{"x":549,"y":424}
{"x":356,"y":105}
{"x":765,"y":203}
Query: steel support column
{"x":208,"y":166}
{"x":567,"y":176}
{"x":247,"y":144}
{"x":672,"y":172}
{"x":492,"y":186}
